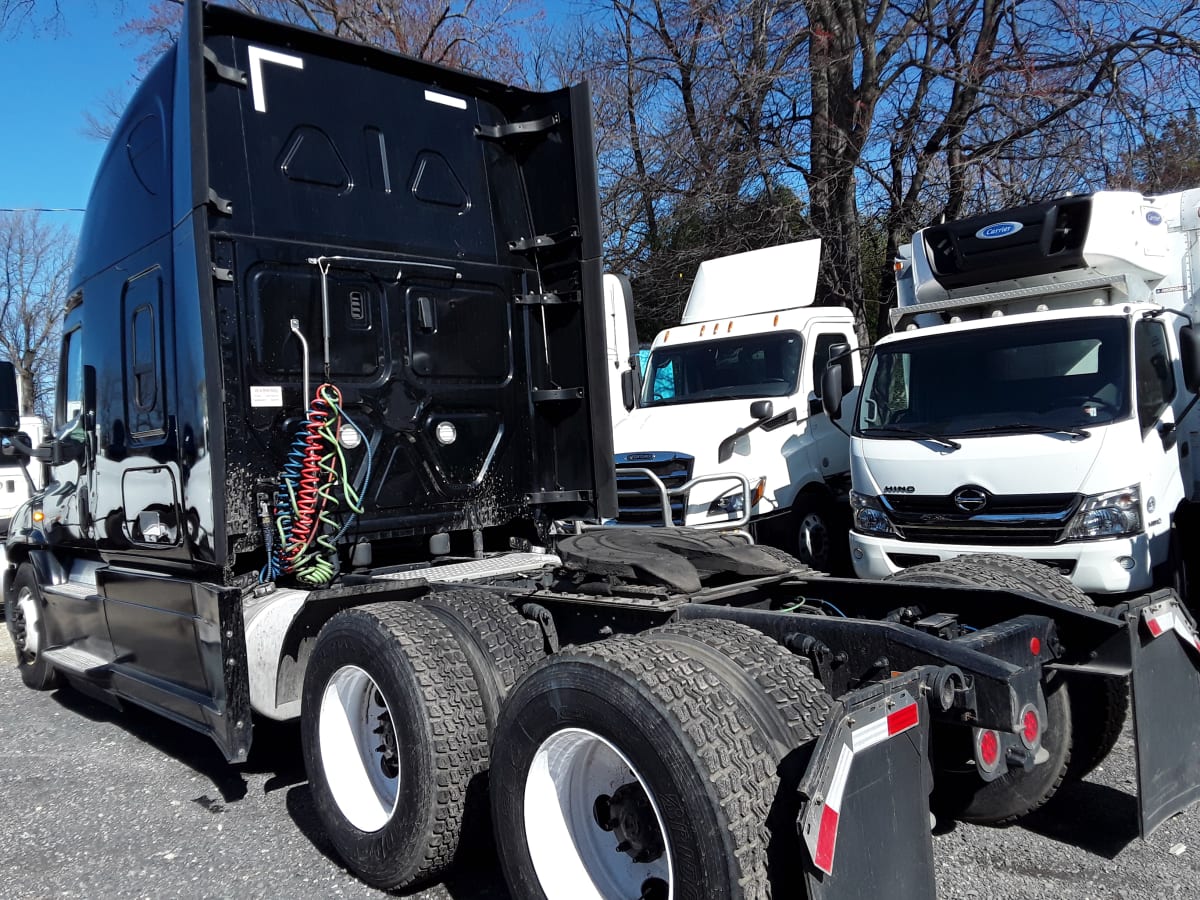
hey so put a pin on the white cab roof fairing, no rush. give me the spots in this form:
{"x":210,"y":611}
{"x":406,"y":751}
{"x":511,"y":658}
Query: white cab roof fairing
{"x":774,"y":278}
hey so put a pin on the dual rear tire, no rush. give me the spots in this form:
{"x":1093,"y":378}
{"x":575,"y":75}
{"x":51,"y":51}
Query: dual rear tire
{"x":652,"y":766}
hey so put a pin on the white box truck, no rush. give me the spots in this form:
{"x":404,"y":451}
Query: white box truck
{"x":1036,"y":397}
{"x":20,"y":479}
{"x":729,"y":429}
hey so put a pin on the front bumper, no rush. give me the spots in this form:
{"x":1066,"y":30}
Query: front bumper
{"x":1094,"y":566}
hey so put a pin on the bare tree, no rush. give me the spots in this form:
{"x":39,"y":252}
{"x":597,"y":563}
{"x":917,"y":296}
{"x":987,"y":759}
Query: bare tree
{"x":484,"y":35}
{"x":35,"y":268}
{"x":16,"y":15}
{"x":859,"y":120}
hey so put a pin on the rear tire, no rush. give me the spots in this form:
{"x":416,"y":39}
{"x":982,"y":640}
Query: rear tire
{"x":25,"y":612}
{"x":641,"y":717}
{"x":958,"y":790}
{"x":1099,"y":703}
{"x":787,"y":559}
{"x":393,"y":732}
{"x":500,"y":644}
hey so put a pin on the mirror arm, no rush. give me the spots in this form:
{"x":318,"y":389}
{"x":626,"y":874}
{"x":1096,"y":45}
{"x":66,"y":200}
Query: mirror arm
{"x":1168,"y":427}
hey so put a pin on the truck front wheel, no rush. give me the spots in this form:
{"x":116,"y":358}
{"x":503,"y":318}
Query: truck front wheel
{"x":393,"y":732}
{"x":814,"y":530}
{"x":24,"y":613}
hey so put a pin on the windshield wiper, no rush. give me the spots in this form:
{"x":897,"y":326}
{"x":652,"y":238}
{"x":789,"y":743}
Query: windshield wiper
{"x":1030,"y":427}
{"x":912,"y":433}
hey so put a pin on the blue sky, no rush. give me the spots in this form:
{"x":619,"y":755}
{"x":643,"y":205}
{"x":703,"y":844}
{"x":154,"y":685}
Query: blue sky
{"x":47,"y":83}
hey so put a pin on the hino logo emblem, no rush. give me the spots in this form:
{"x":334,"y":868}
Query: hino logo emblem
{"x":970,"y":499}
{"x":998,"y":230}
{"x":638,"y":457}
{"x":899,"y":489}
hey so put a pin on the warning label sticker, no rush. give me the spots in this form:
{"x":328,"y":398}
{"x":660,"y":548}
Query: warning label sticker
{"x":266,"y":395}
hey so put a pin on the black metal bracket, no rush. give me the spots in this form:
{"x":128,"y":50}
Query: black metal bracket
{"x":225,"y":73}
{"x":517,"y":129}
{"x":547,"y":299}
{"x":538,"y":613}
{"x":540,"y":241}
{"x":556,"y":395}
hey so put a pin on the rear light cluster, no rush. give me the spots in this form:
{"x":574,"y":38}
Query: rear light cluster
{"x":990,"y":755}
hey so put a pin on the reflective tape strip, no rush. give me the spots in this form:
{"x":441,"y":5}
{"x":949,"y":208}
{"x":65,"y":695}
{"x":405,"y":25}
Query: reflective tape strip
{"x":826,"y":840}
{"x":861,"y":738}
{"x":1170,"y":618}
{"x":903,"y":719}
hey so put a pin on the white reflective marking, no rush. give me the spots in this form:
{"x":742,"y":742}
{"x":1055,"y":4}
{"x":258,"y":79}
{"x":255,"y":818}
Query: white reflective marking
{"x":260,"y":55}
{"x":870,"y":735}
{"x":445,"y":100}
{"x":841,"y":774}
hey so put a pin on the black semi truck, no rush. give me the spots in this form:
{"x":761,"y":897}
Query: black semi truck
{"x":331,"y":441}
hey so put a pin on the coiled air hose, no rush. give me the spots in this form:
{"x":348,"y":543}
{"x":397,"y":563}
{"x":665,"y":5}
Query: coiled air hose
{"x":314,"y":488}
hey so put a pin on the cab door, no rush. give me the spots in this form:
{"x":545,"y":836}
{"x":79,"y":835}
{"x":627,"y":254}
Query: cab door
{"x":829,"y":448}
{"x":1155,"y":389}
{"x":74,"y":609}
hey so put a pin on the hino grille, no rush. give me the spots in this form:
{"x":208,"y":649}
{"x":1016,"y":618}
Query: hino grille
{"x":639,"y":500}
{"x":987,"y":518}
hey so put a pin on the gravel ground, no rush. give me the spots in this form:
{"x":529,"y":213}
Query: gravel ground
{"x":100,"y":803}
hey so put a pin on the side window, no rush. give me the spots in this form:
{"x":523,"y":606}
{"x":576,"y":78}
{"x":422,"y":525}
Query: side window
{"x":70,"y":382}
{"x":663,"y":381}
{"x":823,"y":345}
{"x":1152,"y":367}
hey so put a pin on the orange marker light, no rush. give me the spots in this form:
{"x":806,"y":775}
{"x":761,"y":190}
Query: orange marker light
{"x":776,"y":322}
{"x":38,"y":515}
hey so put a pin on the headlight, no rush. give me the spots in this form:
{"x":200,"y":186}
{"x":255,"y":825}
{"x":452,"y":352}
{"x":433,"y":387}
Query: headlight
{"x":869,"y":517}
{"x":1111,"y":514}
{"x":733,"y":503}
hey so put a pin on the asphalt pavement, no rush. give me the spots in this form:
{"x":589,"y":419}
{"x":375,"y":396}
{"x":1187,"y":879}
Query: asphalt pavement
{"x":99,"y":803}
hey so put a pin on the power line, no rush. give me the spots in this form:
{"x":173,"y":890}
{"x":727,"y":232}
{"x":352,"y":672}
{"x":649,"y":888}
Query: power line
{"x":41,"y":209}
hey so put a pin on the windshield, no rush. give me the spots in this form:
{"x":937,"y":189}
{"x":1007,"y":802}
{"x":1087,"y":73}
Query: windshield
{"x":757,"y":365}
{"x":1063,"y":376}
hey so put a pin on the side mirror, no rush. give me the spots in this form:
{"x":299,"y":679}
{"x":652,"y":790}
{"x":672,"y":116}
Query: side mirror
{"x":831,"y":391}
{"x":631,"y":386}
{"x":1189,"y":358}
{"x":10,"y":404}
{"x":762,"y":409}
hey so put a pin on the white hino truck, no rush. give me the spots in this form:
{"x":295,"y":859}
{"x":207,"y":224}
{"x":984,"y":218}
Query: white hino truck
{"x":729,"y":429}
{"x":1036,"y":396}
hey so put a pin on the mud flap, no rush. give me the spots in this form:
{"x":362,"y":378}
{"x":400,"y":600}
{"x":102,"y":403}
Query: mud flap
{"x":1165,"y":657}
{"x":865,"y":817}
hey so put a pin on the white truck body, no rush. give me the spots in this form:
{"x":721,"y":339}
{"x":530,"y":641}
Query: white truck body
{"x":619,"y":341}
{"x":14,"y":488}
{"x":749,"y":332}
{"x":1030,"y":401}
